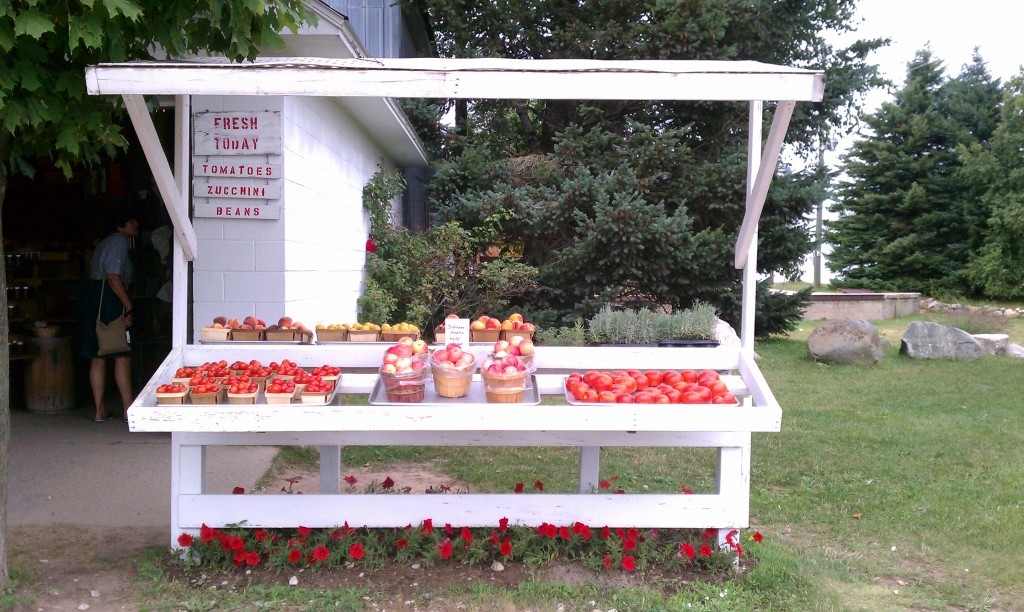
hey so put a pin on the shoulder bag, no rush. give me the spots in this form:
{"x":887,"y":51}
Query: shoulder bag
{"x":111,"y":337}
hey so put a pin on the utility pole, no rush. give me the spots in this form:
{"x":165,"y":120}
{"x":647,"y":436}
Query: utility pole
{"x":817,"y":224}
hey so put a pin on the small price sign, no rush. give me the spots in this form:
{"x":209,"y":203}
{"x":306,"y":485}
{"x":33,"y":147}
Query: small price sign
{"x":456,"y":331}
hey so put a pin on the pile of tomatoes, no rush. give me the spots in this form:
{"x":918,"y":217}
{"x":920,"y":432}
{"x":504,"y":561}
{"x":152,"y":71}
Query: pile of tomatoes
{"x":171,"y":388}
{"x":650,"y":387}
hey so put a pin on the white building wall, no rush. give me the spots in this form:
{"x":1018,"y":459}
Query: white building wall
{"x":308,"y":264}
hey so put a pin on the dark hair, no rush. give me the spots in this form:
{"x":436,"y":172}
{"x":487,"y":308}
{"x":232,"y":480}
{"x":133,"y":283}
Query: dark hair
{"x":122,"y":215}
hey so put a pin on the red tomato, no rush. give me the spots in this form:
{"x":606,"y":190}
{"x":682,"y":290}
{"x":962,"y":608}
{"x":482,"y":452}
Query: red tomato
{"x":618,"y":388}
{"x":602,"y":382}
{"x":580,"y":390}
{"x":689,"y":375}
{"x":727,"y":398}
{"x":676,"y":397}
{"x":692,"y":397}
{"x":625,"y":398}
{"x":643,"y":398}
{"x":705,"y":394}
{"x":642,"y":381}
{"x":590,"y":397}
{"x":665,"y":388}
{"x":662,"y":399}
{"x":718,"y":387}
{"x":630,"y":383}
{"x":671,"y":378}
{"x":654,"y":377}
{"x":606,"y":397}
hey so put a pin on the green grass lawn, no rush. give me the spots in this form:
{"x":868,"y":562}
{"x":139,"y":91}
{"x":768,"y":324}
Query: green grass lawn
{"x":896,"y":486}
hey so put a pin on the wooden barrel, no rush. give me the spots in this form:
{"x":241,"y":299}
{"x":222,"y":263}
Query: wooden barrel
{"x":49,"y":377}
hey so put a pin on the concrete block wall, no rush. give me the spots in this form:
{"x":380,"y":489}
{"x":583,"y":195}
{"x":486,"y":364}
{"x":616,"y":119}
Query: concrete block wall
{"x":308,"y":264}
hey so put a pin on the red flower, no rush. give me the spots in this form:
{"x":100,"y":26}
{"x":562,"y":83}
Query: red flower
{"x":709,"y":532}
{"x":687,"y":491}
{"x":252,"y":558}
{"x":237,"y":543}
{"x":506,"y":549}
{"x":448,"y":529}
{"x":446,"y":550}
{"x":428,"y":526}
{"x":494,"y":538}
{"x":305,"y":531}
{"x":689,"y":551}
{"x":563,"y":531}
{"x":757,"y":537}
{"x":185,"y":540}
{"x":371,"y":245}
{"x":705,"y":551}
{"x":629,"y":544}
{"x":402,"y":543}
{"x":207,"y":534}
{"x":607,"y":562}
{"x":387,"y":484}
{"x":628,"y":563}
{"x":619,"y":492}
{"x":467,"y":534}
{"x":519,"y":487}
{"x":239,"y":558}
{"x":294,"y":555}
{"x":605,"y":533}
{"x":351,"y":480}
{"x":261,"y":535}
{"x":337,"y":534}
{"x":356,"y":551}
{"x":503,"y":524}
{"x":321,"y":553}
{"x":604,"y":484}
{"x":538,"y":485}
{"x":238,"y":491}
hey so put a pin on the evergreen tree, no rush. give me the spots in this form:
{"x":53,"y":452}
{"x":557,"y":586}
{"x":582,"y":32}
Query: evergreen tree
{"x":635,"y":202}
{"x":902,"y":222}
{"x":996,"y":269}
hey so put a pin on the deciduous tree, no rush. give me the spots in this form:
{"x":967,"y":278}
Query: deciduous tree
{"x":45,"y":113}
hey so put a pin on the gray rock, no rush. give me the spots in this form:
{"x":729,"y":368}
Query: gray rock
{"x":1015,"y":350}
{"x":846,"y":342}
{"x":993,"y":344}
{"x":927,"y":340}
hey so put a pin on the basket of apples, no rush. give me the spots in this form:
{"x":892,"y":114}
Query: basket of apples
{"x":515,"y":326}
{"x":505,"y":378}
{"x":484,"y":329}
{"x":453,"y":370}
{"x":516,"y":346}
{"x":172,"y":393}
{"x":404,"y":371}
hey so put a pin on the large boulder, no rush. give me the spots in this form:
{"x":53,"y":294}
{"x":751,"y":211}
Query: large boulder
{"x":846,"y":342}
{"x":1014,"y":350}
{"x":927,"y":340}
{"x":993,"y":344}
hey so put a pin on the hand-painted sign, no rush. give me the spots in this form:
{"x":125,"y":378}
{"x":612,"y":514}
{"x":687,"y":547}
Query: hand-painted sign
{"x":237,"y":133}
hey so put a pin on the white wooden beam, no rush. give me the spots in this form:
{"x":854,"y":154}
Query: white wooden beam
{"x":165,"y":182}
{"x":179,"y":265}
{"x":464,"y":78}
{"x":765,"y":170}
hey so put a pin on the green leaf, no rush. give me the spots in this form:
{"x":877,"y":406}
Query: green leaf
{"x":123,"y":7}
{"x":6,"y":36}
{"x":32,"y":23}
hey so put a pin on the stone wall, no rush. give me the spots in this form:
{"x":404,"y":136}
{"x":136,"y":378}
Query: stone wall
{"x":933,"y":305}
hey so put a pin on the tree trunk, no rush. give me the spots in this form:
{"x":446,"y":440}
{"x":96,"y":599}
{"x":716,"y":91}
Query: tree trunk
{"x":5,"y":375}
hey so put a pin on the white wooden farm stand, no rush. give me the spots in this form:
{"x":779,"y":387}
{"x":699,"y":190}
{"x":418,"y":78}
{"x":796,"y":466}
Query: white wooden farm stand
{"x":194,"y":427}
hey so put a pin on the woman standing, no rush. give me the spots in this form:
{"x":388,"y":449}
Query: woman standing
{"x":110,"y":273}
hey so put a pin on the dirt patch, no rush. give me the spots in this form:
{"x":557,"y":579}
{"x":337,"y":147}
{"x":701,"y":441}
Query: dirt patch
{"x":406,"y":478}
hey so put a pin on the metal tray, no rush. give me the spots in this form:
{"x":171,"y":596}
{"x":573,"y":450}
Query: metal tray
{"x":476,"y":395}
{"x":575,"y":402}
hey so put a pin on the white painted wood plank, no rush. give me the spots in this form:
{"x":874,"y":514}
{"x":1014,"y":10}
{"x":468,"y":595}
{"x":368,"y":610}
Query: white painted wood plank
{"x":765,"y":171}
{"x":166,"y":185}
{"x":463,"y":438}
{"x":465,"y":78}
{"x":473,"y":510}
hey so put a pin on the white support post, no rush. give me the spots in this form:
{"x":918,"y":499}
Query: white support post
{"x":330,"y":469}
{"x":733,"y":471}
{"x":757,"y":186}
{"x":188,"y":477}
{"x":749,"y":258}
{"x":179,"y":264}
{"x":590,"y":468}
{"x":165,"y":183}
